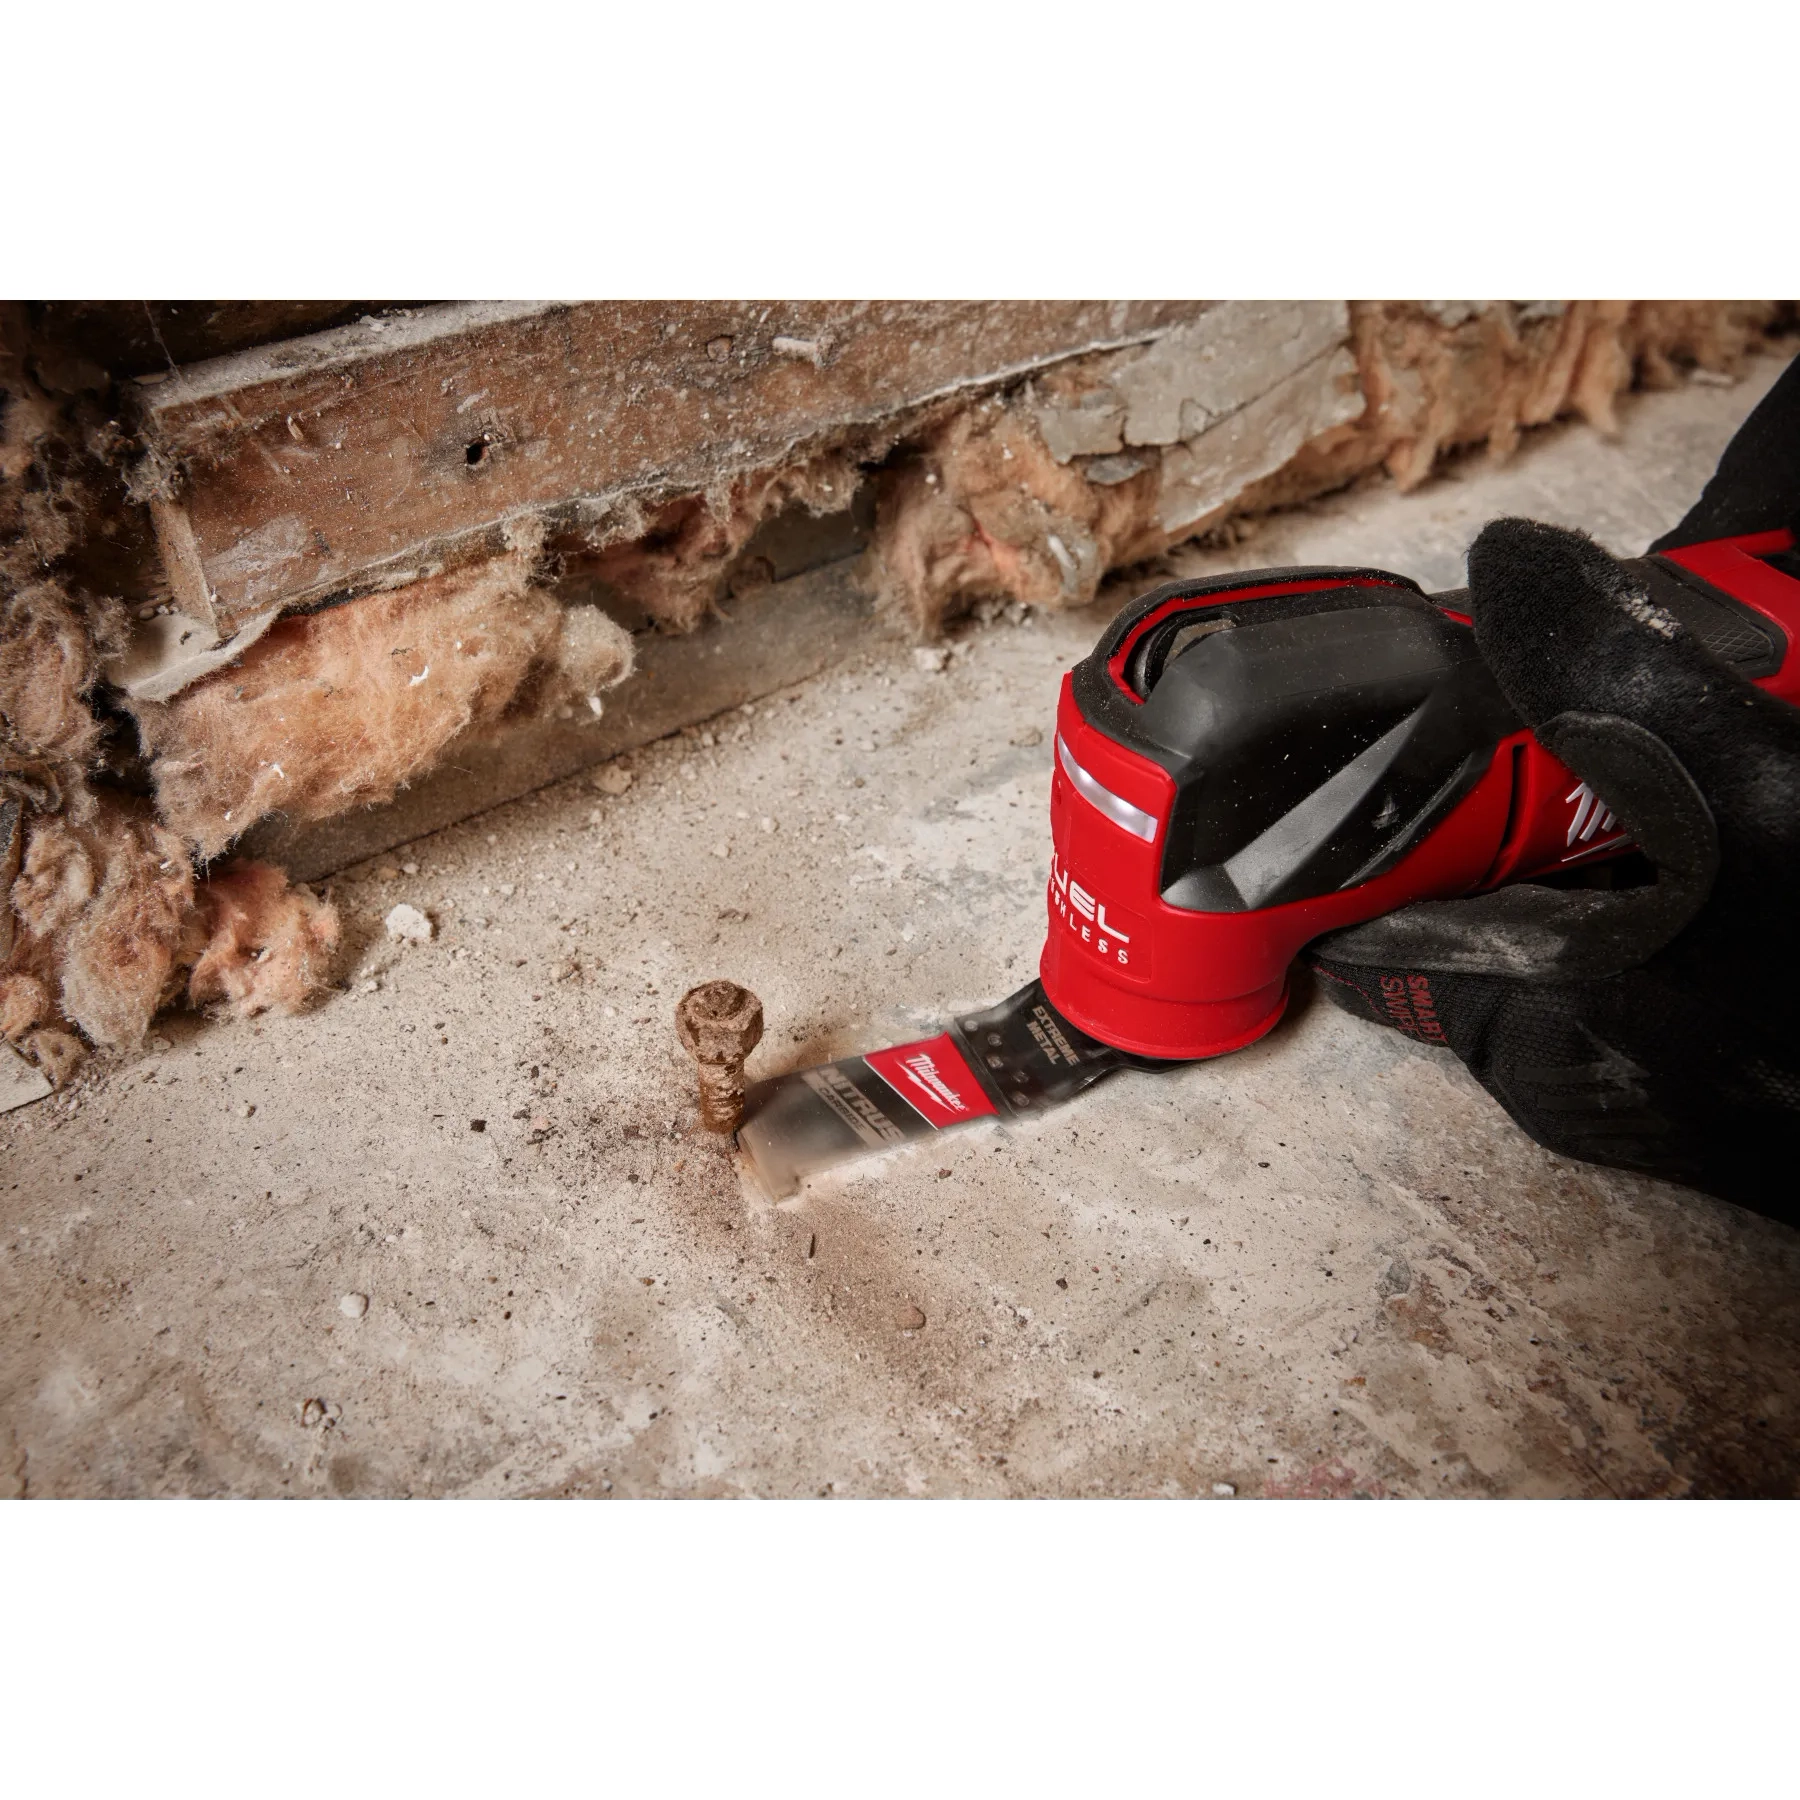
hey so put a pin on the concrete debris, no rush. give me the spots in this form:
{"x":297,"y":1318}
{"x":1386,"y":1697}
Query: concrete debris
{"x":170,"y":651}
{"x":931,"y":659}
{"x":910,"y":1318}
{"x":407,"y":925}
{"x":1224,"y":1490}
{"x":1090,"y":422}
{"x":719,"y":1024}
{"x":1179,"y":386}
{"x":354,"y":1306}
{"x":810,"y":350}
{"x":1109,"y":471}
{"x":1202,"y":475}
{"x":611,"y":779}
{"x":20,"y":1083}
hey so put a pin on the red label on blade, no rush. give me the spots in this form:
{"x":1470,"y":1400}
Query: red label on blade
{"x":934,"y":1080}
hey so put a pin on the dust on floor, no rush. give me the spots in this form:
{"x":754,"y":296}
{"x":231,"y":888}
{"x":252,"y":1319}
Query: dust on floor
{"x":454,"y":1232}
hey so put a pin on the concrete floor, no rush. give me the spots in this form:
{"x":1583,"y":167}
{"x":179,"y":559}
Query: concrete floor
{"x":1325,"y":1266}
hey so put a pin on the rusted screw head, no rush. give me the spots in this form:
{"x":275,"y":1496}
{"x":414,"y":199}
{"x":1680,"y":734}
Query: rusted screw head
{"x":719,"y":1024}
{"x":718,"y":1021}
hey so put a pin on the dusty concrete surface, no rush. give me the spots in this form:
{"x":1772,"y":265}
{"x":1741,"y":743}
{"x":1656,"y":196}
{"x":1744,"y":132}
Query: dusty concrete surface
{"x":454,"y":1233}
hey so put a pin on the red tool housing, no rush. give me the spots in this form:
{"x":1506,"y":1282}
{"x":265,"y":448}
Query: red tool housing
{"x":1246,"y":763}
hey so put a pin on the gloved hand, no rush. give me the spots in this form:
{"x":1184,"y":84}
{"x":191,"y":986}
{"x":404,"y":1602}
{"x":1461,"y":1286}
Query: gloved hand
{"x":1654,"y":1026}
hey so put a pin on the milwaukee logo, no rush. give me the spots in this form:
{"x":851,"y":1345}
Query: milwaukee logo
{"x":922,"y":1072}
{"x":1593,"y":818}
{"x":1085,"y":914}
{"x":934,"y":1080}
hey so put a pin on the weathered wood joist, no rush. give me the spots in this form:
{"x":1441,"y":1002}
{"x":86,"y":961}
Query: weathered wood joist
{"x":388,"y":451}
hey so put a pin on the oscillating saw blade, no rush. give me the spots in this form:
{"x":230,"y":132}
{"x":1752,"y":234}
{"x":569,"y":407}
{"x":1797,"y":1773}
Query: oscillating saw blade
{"x":1015,"y":1060}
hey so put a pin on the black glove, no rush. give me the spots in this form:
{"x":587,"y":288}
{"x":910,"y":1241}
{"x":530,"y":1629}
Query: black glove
{"x":1652,"y":1026}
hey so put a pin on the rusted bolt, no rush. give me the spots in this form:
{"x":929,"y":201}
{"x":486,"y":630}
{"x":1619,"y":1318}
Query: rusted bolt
{"x":719,"y":1024}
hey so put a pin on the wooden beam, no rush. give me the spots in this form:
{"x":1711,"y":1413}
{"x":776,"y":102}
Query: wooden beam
{"x":368,"y":455}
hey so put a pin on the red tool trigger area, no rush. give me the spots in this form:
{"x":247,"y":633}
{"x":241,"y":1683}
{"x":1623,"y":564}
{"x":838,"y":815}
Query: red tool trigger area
{"x":933,"y":1078}
{"x":1736,"y":566}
